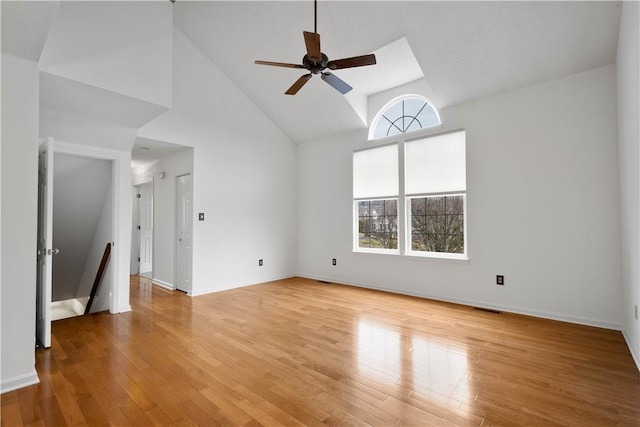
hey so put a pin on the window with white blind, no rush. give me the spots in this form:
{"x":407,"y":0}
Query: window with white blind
{"x":410,"y":197}
{"x":435,"y":188}
{"x":375,"y":191}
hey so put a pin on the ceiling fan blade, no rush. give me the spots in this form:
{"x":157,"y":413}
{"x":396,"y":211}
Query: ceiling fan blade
{"x":356,"y":61}
{"x":298,"y":84}
{"x":279,"y":64}
{"x":312,"y":41}
{"x":337,"y":83}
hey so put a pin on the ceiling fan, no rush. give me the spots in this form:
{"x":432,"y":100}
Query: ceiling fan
{"x":317,"y":62}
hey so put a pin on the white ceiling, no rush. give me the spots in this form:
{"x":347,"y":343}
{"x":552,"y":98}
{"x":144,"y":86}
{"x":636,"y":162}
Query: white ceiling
{"x":25,"y":26}
{"x":146,"y":151}
{"x":465,"y":50}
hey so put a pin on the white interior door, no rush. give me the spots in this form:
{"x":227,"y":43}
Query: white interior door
{"x":135,"y":237}
{"x":146,"y":227}
{"x":184,"y":234}
{"x":45,"y":247}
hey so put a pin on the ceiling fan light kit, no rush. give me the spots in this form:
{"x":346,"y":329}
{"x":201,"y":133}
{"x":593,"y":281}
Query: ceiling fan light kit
{"x":317,"y":62}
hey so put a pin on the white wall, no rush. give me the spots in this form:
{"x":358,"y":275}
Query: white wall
{"x":244,"y":176}
{"x":102,"y":235}
{"x":543,"y":207}
{"x":85,"y":131}
{"x":124,"y":47}
{"x":19,"y":220}
{"x":628,"y":74}
{"x":80,"y":188}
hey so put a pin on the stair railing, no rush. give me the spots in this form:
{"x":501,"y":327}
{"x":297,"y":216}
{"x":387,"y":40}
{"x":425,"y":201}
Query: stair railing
{"x":96,"y":283}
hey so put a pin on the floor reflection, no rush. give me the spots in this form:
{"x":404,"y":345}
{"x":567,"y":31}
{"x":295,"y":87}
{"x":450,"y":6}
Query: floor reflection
{"x":379,"y":350}
{"x":419,"y":365}
{"x":440,"y":368}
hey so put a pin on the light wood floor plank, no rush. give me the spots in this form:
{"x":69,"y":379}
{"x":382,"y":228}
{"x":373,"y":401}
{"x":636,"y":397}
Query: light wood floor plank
{"x":301,"y":352}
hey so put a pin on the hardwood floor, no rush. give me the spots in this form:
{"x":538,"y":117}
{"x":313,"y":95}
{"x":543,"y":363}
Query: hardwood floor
{"x":301,"y":352}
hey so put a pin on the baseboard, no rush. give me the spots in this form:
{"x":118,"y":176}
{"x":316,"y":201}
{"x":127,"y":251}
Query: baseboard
{"x":166,"y":285}
{"x":121,"y":309}
{"x":636,"y":356}
{"x":240,"y":285}
{"x":484,"y":304}
{"x":19,"y":382}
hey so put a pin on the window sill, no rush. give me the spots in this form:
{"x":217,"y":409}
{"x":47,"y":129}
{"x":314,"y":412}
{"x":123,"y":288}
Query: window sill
{"x":413,"y":256}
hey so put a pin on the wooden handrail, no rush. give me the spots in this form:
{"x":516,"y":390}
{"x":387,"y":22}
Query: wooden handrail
{"x":96,"y":283}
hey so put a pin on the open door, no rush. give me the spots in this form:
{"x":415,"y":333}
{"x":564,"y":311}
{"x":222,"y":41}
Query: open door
{"x":45,"y":237}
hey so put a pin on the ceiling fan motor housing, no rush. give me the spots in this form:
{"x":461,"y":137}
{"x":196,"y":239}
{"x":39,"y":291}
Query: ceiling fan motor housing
{"x":313,"y":65}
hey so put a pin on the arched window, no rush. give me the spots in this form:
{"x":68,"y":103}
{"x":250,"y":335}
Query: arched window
{"x":407,"y":113}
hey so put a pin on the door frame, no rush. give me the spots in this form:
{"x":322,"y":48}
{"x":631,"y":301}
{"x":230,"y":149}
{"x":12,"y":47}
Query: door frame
{"x":175,"y":237}
{"x":134,"y":267}
{"x":121,"y":216}
{"x":137,"y":235}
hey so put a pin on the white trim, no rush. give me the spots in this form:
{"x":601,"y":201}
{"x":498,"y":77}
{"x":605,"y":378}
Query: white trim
{"x":426,"y":257}
{"x":175,"y":230}
{"x":403,"y":200}
{"x":241,"y":285}
{"x":19,"y":382}
{"x":121,"y":245}
{"x":636,"y":356}
{"x":385,"y":107}
{"x":409,"y":228}
{"x":123,"y":309}
{"x":356,"y":228}
{"x":403,"y":222}
{"x":165,"y":285}
{"x":375,"y":251}
{"x":482,"y":304}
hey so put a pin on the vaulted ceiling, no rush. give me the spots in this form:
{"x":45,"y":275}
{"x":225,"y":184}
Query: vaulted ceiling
{"x":464,"y":50}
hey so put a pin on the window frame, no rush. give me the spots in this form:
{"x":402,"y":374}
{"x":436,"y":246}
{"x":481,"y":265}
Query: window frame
{"x":429,"y":254}
{"x":386,"y":107}
{"x":356,"y":226}
{"x":403,"y":203}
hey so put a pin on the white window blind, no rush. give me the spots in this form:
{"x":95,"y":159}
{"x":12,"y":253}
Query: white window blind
{"x":375,"y":172}
{"x":436,"y":164}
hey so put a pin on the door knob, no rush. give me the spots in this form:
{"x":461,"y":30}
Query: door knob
{"x":53,"y":252}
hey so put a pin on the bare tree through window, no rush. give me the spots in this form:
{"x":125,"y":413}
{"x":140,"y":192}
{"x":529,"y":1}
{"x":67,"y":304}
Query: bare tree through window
{"x":437,"y":224}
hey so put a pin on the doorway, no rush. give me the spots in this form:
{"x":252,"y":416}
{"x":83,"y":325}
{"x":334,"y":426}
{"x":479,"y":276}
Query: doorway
{"x":184,"y":232}
{"x":169,"y":167}
{"x":82,"y":226}
{"x":115,"y":290}
{"x":144,"y":197}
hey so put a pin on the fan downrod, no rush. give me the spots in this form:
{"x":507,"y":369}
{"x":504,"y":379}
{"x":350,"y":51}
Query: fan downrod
{"x":316,"y":62}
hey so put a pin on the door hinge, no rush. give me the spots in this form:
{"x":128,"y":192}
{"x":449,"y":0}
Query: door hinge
{"x":138,"y":196}
{"x":138,"y":227}
{"x":138,"y":259}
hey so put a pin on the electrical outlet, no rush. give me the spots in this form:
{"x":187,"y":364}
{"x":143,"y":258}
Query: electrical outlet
{"x":500,"y":280}
{"x":635,"y":311}
{"x":260,"y":263}
{"x":333,"y":261}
